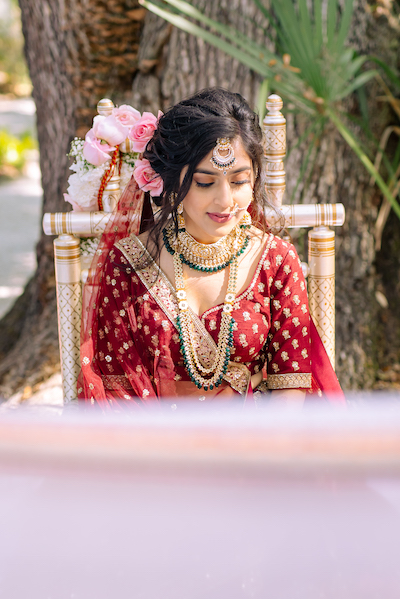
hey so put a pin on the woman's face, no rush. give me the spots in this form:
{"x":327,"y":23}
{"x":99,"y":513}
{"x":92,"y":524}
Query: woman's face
{"x":208,"y":205}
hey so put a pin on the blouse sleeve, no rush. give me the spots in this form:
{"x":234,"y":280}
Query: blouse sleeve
{"x":288,"y":347}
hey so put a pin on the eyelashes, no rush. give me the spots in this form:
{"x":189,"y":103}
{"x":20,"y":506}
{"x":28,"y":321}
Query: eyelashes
{"x":205,"y":185}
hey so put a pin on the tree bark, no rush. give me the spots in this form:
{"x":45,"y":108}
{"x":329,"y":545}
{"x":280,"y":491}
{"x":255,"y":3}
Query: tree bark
{"x":81,"y":51}
{"x":77,"y":52}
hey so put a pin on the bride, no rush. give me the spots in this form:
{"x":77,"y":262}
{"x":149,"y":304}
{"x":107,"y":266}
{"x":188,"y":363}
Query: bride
{"x":197,"y":298}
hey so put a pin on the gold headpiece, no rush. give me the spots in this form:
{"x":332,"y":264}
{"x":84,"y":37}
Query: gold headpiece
{"x":223,"y":162}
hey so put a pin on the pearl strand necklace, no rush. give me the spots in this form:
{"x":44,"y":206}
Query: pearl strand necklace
{"x":187,"y":341}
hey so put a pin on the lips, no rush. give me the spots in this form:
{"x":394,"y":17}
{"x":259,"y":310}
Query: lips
{"x":219,"y":218}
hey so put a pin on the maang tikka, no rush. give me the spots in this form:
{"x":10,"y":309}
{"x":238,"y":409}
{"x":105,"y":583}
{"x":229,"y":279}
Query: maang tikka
{"x":223,"y":162}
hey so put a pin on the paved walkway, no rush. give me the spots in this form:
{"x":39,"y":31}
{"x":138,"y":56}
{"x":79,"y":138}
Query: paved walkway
{"x":20,"y":209}
{"x":20,"y":222}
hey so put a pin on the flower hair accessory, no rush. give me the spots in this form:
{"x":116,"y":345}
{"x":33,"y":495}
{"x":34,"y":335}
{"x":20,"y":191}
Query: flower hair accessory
{"x":147,"y":179}
{"x":112,"y":145}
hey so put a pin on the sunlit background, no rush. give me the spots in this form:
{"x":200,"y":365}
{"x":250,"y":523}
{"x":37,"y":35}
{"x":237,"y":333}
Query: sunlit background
{"x":20,"y":189}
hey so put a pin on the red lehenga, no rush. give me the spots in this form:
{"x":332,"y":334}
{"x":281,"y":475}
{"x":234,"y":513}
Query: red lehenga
{"x":130,"y":348}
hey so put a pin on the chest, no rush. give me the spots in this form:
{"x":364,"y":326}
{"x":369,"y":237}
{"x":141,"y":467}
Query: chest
{"x":207,"y":290}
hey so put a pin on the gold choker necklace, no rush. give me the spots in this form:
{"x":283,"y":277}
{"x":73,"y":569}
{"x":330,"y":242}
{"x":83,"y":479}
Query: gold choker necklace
{"x":207,"y":257}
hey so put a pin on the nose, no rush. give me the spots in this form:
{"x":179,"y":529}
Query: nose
{"x":224,"y":197}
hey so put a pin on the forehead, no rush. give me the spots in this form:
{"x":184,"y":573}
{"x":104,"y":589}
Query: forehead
{"x":240,"y":153}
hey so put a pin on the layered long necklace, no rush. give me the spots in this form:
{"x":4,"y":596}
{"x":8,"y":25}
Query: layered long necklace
{"x":212,"y":257}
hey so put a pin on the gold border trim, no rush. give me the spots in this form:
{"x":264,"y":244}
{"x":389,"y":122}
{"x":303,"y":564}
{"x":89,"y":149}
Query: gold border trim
{"x":296,"y":380}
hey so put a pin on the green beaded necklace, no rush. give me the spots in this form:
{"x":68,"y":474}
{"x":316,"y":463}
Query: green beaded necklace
{"x":211,"y":257}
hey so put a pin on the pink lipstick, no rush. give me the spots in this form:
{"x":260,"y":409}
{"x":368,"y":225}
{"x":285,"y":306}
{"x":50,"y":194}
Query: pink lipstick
{"x":219,"y":218}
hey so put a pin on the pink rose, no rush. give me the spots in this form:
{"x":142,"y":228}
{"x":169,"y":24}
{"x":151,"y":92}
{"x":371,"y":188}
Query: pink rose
{"x":147,"y":178}
{"x":94,"y":151}
{"x":126,"y":115}
{"x":75,"y":206}
{"x":109,"y":129}
{"x":142,"y":131}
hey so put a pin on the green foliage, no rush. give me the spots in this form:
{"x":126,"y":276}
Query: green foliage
{"x":313,"y":67}
{"x":13,"y":152}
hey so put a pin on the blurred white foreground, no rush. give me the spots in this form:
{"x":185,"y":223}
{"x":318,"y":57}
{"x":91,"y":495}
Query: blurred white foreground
{"x":195,"y":504}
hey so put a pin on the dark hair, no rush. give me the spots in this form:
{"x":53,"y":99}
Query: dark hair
{"x":187,"y":132}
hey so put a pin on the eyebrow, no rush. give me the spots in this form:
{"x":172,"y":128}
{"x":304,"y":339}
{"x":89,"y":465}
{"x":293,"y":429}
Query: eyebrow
{"x":207,"y":172}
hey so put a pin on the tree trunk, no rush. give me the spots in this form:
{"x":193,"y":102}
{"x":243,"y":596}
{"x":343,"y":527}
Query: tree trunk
{"x":77,"y":55}
{"x":367,"y":334}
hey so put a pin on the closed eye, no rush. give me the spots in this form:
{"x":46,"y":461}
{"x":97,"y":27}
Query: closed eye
{"x":241,"y":182}
{"x":198,"y":184}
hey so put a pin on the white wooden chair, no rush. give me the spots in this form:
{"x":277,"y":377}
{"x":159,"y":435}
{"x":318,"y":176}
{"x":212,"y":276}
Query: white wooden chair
{"x":71,"y":266}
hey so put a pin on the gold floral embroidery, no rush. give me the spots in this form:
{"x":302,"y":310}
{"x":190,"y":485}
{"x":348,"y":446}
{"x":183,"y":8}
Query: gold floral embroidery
{"x":295,"y":343}
{"x":277,"y":304}
{"x":295,"y":365}
{"x":243,"y":340}
{"x":287,"y":269}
